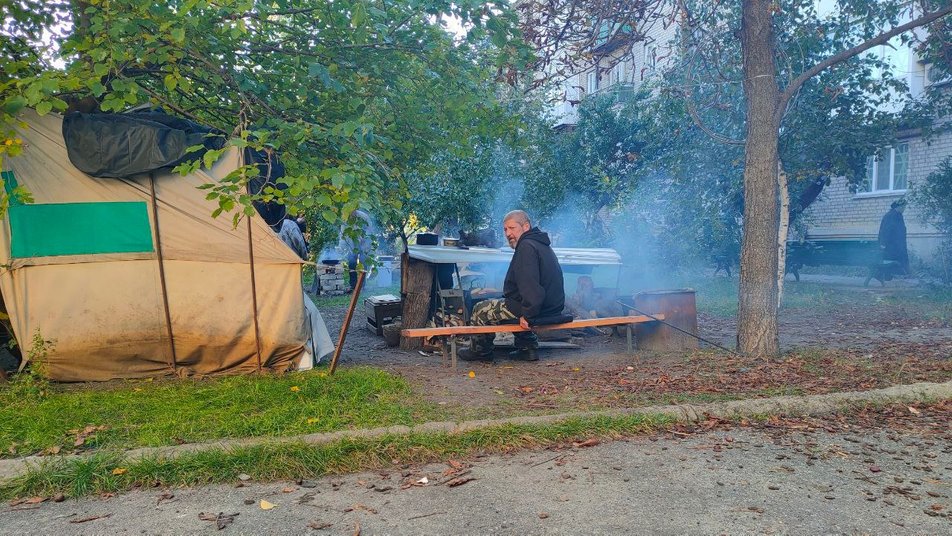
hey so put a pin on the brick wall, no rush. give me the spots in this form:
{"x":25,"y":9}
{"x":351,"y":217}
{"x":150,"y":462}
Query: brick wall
{"x":838,"y":213}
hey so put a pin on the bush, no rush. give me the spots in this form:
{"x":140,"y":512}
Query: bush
{"x":934,"y":197}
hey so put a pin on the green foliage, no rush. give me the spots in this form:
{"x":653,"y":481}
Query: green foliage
{"x":352,"y":93}
{"x":32,"y":383}
{"x":933,"y":198}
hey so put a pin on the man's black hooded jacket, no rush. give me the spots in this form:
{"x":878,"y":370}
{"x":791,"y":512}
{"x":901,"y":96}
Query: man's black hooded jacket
{"x":534,"y":286}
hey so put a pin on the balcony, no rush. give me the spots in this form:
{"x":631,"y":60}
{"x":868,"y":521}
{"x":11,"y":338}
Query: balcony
{"x":565,"y":115}
{"x":623,"y":92}
{"x":611,"y":37}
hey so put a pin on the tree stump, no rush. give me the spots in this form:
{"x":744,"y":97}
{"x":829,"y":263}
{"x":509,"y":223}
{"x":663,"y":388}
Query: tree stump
{"x":416,"y":284}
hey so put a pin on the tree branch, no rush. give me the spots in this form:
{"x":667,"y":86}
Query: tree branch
{"x":692,"y":109}
{"x":844,"y":55}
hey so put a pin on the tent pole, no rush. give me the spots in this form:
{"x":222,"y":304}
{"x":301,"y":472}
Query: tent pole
{"x":251,"y":263}
{"x":254,"y":292}
{"x":165,"y":293}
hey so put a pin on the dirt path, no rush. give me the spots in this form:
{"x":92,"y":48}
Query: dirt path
{"x":837,"y":337}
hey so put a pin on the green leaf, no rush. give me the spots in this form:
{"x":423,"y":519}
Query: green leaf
{"x":210,"y":157}
{"x":14,"y":104}
{"x":44,"y":107}
{"x":170,"y":82}
{"x":329,"y":215}
{"x":359,"y":15}
{"x":177,"y":35}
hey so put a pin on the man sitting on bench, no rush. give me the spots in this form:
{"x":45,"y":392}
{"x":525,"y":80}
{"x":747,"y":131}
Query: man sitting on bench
{"x":533,"y":290}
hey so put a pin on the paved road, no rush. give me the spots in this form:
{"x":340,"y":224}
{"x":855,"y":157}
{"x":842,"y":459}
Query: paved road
{"x":736,"y":481}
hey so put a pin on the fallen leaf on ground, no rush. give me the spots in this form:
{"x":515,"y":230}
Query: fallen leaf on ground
{"x":914,"y":411}
{"x":265,"y":505}
{"x":587,"y":443}
{"x":119,"y":471}
{"x":90,"y":518}
{"x":288,"y":490}
{"x":318,"y":525}
{"x":221,"y":519}
{"x":472,"y":374}
{"x":423,"y":481}
{"x":459,"y":481}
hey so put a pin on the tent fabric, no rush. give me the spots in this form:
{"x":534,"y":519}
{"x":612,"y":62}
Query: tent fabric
{"x":104,"y":313}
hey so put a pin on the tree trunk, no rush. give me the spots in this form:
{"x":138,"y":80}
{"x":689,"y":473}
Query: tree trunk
{"x":757,"y":332}
{"x":784,"y":231}
{"x":416,"y":287}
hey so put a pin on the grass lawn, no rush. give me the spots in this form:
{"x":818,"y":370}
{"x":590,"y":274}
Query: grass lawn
{"x":139,"y":413}
{"x":717,"y":296}
{"x":108,"y":472}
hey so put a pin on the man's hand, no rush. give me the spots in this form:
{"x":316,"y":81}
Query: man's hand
{"x":523,"y":322}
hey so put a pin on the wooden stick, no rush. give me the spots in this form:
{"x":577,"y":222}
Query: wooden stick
{"x":350,"y":313}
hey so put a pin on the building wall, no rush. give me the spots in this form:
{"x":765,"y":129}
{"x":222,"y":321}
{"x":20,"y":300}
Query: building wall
{"x":633,"y":64}
{"x":841,"y":214}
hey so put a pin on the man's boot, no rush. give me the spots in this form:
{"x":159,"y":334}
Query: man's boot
{"x":525,"y":354}
{"x":475,"y":354}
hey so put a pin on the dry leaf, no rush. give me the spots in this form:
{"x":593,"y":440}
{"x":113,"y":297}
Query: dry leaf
{"x":221,"y":520}
{"x":265,"y":505}
{"x":588,"y":443}
{"x":423,"y":481}
{"x":472,"y":374}
{"x":91,"y":518}
{"x":914,"y":411}
{"x":295,"y":388}
{"x":119,"y":471}
{"x":459,"y":481}
{"x":288,"y":490}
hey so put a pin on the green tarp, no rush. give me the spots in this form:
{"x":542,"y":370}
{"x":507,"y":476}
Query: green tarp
{"x":42,"y":230}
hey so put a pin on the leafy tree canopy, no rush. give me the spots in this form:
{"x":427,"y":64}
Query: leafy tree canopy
{"x":352,"y":93}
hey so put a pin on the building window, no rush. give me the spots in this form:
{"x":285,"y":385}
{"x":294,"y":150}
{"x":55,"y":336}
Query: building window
{"x":651,"y":58}
{"x":889,"y":171}
{"x":593,"y":81}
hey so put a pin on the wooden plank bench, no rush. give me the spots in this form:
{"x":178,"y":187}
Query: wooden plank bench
{"x":453,"y":331}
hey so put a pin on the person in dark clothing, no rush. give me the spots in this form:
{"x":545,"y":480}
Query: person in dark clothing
{"x":892,"y":236}
{"x":533,"y":289}
{"x":290,"y":234}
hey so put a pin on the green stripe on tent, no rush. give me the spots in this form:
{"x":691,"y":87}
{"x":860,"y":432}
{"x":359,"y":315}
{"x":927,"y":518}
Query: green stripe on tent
{"x":42,"y":230}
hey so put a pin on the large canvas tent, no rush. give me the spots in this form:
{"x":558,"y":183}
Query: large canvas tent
{"x":132,"y":277}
